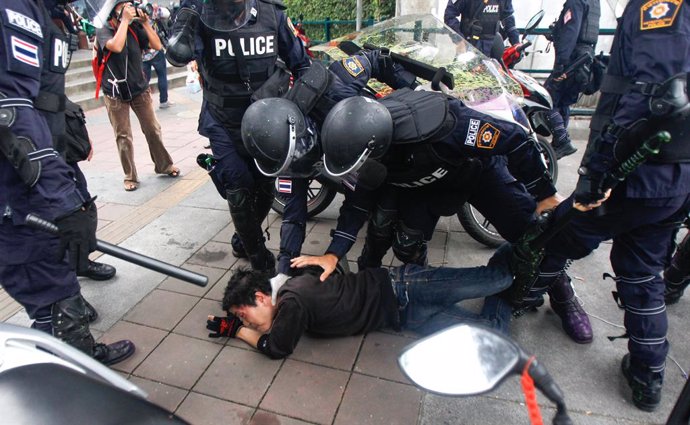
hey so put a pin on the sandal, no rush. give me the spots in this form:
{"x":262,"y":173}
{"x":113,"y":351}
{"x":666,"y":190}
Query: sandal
{"x":131,"y":186}
{"x":174,"y":173}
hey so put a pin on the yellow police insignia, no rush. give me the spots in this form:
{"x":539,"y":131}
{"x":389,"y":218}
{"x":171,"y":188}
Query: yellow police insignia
{"x":353,"y":66}
{"x":488,"y":136}
{"x":659,"y":13}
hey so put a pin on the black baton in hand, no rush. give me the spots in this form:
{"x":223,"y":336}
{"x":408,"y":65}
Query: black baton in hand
{"x":127,"y":255}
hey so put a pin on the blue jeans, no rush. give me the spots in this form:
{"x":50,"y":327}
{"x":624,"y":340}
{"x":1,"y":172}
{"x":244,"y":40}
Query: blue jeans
{"x":159,"y":64}
{"x":430,"y":294}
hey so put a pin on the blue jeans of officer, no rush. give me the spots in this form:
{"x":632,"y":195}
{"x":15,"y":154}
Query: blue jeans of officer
{"x":159,"y":64}
{"x":642,"y":231}
{"x":429,"y":295}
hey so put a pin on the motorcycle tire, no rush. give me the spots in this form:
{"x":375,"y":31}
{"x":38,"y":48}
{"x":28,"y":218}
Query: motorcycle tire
{"x":478,"y":227}
{"x":319,"y":197}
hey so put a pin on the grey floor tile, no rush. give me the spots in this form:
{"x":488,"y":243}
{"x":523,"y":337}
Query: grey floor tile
{"x":162,"y":309}
{"x":177,"y":285}
{"x":338,"y":353}
{"x":226,"y":234}
{"x":178,"y":361}
{"x":250,"y":373}
{"x":306,"y":392}
{"x":373,"y":401}
{"x":199,"y":409}
{"x":262,"y":417}
{"x":163,"y":395}
{"x":379,"y":354}
{"x":194,"y":323}
{"x":214,"y":254}
{"x":145,"y":340}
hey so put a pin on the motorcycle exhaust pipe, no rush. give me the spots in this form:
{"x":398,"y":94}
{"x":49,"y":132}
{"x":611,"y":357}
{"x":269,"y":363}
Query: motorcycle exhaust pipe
{"x":127,"y":255}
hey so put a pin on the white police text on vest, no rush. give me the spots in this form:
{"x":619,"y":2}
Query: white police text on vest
{"x":251,"y":46}
{"x":61,"y":53}
{"x":436,"y":175}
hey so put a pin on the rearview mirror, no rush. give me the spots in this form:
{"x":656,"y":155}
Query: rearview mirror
{"x":533,"y":22}
{"x":460,"y":360}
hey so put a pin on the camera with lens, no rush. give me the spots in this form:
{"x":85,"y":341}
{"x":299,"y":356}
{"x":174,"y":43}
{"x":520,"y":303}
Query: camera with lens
{"x":146,"y":8}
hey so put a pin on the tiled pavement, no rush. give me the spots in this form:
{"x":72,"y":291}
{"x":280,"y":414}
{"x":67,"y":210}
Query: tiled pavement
{"x":352,"y":380}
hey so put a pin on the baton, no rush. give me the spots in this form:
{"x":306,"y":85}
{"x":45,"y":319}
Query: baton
{"x":580,"y":61}
{"x":127,"y":255}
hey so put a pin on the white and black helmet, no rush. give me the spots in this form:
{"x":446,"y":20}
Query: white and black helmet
{"x":356,"y":129}
{"x":279,"y":138}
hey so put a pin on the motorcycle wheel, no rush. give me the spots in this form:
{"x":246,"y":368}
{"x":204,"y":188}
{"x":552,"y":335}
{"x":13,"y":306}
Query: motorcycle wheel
{"x":319,"y":197}
{"x":478,"y":227}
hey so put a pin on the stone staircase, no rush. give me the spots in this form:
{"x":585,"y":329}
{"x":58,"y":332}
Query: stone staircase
{"x":80,"y":84}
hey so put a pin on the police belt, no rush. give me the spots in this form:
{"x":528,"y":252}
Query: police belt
{"x":50,"y":102}
{"x":226,"y":102}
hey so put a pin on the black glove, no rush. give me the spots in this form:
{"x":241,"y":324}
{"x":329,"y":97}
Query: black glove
{"x":476,"y":29}
{"x":78,"y":237}
{"x":589,"y":187}
{"x":223,"y":326}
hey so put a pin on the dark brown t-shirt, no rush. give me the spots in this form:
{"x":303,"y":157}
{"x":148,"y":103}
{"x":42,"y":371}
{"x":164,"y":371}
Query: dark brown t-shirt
{"x":131,"y":55}
{"x":343,"y":305}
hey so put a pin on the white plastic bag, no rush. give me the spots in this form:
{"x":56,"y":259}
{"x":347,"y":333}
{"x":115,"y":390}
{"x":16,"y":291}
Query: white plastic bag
{"x":193,"y":84}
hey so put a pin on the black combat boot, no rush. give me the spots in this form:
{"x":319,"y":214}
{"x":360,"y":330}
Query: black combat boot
{"x":561,"y":139}
{"x":70,"y":321}
{"x":646,"y":392}
{"x":677,"y":274}
{"x":379,"y":238}
{"x":237,"y":247}
{"x":241,"y":204}
{"x":98,"y":271}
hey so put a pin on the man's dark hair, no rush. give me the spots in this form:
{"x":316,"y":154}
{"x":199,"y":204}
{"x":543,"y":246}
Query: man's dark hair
{"x":243,"y":285}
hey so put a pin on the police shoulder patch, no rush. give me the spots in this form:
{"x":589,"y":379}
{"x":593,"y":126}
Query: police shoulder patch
{"x":488,"y":136}
{"x":353,"y":66}
{"x":659,"y":13}
{"x":23,"y":23}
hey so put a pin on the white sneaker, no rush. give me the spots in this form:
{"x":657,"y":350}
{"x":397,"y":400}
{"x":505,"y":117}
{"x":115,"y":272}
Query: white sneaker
{"x":166,"y":105}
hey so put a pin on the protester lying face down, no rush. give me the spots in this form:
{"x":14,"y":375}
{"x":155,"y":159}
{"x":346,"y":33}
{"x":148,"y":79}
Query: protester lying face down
{"x":410,"y":296}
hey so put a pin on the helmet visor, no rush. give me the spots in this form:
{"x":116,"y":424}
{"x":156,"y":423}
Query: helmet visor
{"x":226,"y":15}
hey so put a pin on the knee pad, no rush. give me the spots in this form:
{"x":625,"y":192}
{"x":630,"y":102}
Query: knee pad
{"x":382,"y":222}
{"x":409,"y":245}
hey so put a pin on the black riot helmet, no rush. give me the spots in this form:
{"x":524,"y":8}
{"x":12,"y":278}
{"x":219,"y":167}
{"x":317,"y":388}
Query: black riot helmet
{"x":279,"y":138}
{"x":226,"y":15}
{"x":356,"y":129}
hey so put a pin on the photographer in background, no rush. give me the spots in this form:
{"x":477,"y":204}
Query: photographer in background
{"x":156,"y":58}
{"x":126,"y":34}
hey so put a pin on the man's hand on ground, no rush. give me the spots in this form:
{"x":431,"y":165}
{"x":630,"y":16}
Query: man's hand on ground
{"x":327,"y":262}
{"x":223,"y":326}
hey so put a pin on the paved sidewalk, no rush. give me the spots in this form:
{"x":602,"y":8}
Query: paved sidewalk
{"x":352,"y":380}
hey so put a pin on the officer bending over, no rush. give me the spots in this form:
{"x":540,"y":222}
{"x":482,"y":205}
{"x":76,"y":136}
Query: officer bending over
{"x":411,"y":297}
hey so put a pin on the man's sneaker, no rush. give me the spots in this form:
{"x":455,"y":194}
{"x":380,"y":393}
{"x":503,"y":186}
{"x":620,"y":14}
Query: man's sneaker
{"x":98,"y":271}
{"x":113,"y":353}
{"x":564,"y":149}
{"x":574,"y":319}
{"x":645,"y":395}
{"x":165,"y":105}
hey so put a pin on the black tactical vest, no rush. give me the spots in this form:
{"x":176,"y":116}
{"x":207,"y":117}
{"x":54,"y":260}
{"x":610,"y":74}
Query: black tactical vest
{"x":229,"y":82}
{"x":589,"y":32}
{"x":488,"y":15}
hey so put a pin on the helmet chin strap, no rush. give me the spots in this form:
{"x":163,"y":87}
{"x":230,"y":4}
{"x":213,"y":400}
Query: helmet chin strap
{"x":363,"y":157}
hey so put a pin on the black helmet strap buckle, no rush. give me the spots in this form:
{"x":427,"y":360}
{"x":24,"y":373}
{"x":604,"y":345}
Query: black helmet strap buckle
{"x":356,"y":166}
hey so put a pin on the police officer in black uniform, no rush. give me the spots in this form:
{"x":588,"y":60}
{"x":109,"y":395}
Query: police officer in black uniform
{"x":575,"y":33}
{"x":266,"y":132}
{"x":481,"y":20}
{"x":37,"y":268}
{"x":644,"y":90}
{"x":236,"y":44}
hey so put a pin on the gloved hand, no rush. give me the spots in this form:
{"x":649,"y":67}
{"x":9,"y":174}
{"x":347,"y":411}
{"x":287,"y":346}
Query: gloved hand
{"x":475,"y":29}
{"x":589,"y":188}
{"x":223,"y":326}
{"x":557,"y":73}
{"x":78,"y":237}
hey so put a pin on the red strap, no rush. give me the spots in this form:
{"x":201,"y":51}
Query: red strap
{"x":530,"y":395}
{"x":101,"y":68}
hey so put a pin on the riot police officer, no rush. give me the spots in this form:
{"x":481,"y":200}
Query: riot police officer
{"x":481,"y":20}
{"x":266,"y":134}
{"x":575,"y":33}
{"x":644,"y":90}
{"x":236,"y":44}
{"x":36,"y":268}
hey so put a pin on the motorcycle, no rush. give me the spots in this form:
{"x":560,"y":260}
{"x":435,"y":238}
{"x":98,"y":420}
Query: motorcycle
{"x":478,"y":81}
{"x":468,"y":360}
{"x":44,"y":380}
